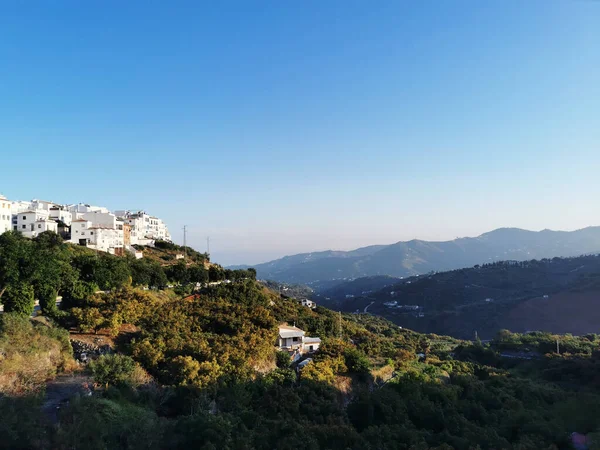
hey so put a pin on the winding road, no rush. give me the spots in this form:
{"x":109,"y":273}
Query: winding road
{"x":367,"y":307}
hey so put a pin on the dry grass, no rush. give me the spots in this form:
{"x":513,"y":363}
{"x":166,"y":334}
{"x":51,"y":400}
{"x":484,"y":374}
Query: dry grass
{"x":30,"y":355}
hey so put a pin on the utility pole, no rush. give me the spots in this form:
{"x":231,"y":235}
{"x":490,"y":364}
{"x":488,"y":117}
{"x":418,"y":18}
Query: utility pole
{"x":185,"y":242}
{"x":208,"y":246}
{"x":557,"y":347}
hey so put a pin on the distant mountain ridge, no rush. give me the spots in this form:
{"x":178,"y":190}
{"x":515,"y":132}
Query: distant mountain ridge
{"x":417,"y":257}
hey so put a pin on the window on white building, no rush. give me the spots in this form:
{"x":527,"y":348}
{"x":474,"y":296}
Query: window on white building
{"x":24,"y":226}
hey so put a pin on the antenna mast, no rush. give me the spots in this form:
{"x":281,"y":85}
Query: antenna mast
{"x":208,"y":245}
{"x":185,"y":242}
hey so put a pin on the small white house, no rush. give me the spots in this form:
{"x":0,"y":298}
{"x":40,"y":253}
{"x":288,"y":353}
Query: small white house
{"x":33,"y":223}
{"x":292,"y":338}
{"x":308,"y":303}
{"x":79,"y":231}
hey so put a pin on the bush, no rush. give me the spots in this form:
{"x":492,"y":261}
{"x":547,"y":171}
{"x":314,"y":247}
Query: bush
{"x":117,"y":370}
{"x":19,"y":299}
{"x":282,"y":359}
{"x":356,"y":361}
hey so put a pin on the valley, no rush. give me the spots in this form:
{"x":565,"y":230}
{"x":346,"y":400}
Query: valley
{"x":559,"y":295}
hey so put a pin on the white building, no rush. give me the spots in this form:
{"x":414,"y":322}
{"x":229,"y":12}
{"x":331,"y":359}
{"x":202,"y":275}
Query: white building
{"x":79,"y":231}
{"x":100,"y":218}
{"x":83,"y":208}
{"x":43,"y":205}
{"x":108,"y":240}
{"x":5,"y":214}
{"x":64,"y":215}
{"x":308,"y":303}
{"x":88,"y":225}
{"x":33,"y":223}
{"x":145,"y":228}
{"x":292,"y":339}
{"x":21,"y":206}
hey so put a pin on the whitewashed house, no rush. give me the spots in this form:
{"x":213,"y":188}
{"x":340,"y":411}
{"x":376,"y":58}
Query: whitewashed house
{"x":21,"y":206}
{"x":33,"y":223}
{"x":293,"y":339}
{"x":100,"y":218}
{"x":81,"y":208}
{"x":145,"y":229}
{"x":5,"y":214}
{"x":106,"y":239}
{"x":42,"y":205}
{"x":308,"y":303}
{"x":79,"y":231}
{"x":59,"y":214}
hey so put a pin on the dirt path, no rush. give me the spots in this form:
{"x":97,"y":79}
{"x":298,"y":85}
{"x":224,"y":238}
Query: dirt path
{"x":61,"y":389}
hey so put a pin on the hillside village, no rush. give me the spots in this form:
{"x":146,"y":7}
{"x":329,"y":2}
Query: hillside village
{"x":96,"y":227}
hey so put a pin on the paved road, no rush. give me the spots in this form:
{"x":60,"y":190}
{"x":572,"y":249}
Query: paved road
{"x":367,"y":307}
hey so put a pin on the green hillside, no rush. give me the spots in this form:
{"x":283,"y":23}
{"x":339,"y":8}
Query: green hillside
{"x":202,"y":371}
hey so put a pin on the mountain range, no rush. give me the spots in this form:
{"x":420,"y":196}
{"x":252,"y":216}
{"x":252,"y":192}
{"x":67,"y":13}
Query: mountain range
{"x":415,"y":257}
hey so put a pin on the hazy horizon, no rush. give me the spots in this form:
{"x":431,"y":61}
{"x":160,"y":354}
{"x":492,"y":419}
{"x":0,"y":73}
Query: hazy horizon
{"x":289,"y":128}
{"x":236,"y":256}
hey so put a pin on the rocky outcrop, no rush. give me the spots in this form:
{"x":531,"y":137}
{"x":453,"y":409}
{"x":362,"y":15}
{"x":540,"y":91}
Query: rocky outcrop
{"x":85,"y":351}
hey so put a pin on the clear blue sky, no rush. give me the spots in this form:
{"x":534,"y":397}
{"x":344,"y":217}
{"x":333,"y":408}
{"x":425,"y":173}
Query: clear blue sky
{"x":280,"y":127}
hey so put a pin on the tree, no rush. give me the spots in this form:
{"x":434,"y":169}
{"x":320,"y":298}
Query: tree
{"x":178,"y":273}
{"x":48,"y":240}
{"x":19,"y":299}
{"x":283,"y":359}
{"x":78,"y":294}
{"x":88,"y":319}
{"x":15,"y":253}
{"x":112,"y":272}
{"x":113,"y":369}
{"x":216,"y":273}
{"x":356,"y":361}
{"x":197,"y":274}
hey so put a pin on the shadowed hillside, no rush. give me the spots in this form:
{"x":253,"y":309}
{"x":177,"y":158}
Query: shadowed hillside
{"x":558,"y":295}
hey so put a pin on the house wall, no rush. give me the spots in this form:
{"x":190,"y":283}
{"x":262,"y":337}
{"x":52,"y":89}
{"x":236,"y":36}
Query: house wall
{"x":26,"y":222}
{"x":101,"y":219}
{"x":62,"y":215}
{"x":311,"y":347}
{"x":290,"y":342}
{"x":5,"y":215}
{"x":79,"y":231}
{"x":126,"y":234}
